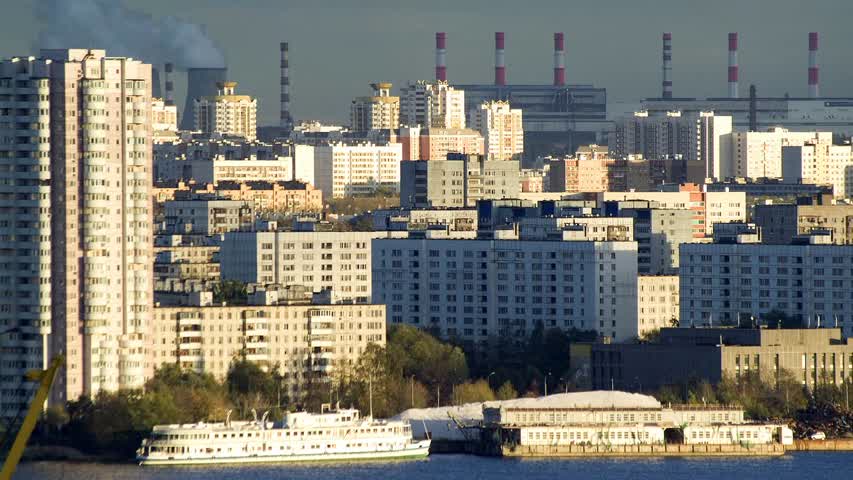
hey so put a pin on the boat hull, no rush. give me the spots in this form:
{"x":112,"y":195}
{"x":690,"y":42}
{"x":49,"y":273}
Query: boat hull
{"x":420,"y":451}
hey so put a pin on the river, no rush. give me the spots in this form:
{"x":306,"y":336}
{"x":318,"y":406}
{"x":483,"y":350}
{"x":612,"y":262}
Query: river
{"x":794,"y":466}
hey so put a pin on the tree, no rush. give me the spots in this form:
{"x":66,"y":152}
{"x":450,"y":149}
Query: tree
{"x":506,"y":392}
{"x":230,"y":291}
{"x":250,"y":387}
{"x":473,"y":391}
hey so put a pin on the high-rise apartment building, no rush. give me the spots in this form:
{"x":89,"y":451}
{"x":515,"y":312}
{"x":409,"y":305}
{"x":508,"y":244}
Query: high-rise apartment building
{"x":227,"y":113}
{"x":432,"y":105}
{"x":781,"y":223}
{"x":342,"y":170}
{"x":759,"y":154}
{"x":436,"y":143}
{"x":381,"y":111}
{"x":75,"y":221}
{"x":821,"y":164}
{"x":501,"y":129}
{"x":702,"y":140}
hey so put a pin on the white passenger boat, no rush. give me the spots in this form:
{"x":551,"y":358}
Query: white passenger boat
{"x":301,"y":437}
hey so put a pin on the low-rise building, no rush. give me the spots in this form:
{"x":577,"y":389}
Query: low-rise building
{"x":289,"y":196}
{"x":435,"y":143}
{"x":306,"y":341}
{"x":812,"y":356}
{"x":220,"y":160}
{"x":452,"y":219}
{"x":185,"y":257}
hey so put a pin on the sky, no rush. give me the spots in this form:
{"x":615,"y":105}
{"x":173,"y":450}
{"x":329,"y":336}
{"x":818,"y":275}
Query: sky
{"x":338,"y":47}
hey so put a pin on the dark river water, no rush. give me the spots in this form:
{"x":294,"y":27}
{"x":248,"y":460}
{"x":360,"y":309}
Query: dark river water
{"x":799,"y":466}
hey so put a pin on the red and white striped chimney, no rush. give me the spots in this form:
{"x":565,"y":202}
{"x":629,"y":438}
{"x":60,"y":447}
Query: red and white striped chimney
{"x":500,"y":66}
{"x":170,"y":85}
{"x":666,"y":84}
{"x":814,"y":80}
{"x":733,"y":67}
{"x":441,"y":56}
{"x":559,"y":60}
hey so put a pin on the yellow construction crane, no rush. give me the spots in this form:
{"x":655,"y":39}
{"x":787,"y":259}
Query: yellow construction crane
{"x":45,"y":379}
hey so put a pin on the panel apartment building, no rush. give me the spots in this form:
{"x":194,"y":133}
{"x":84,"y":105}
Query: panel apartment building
{"x":340,"y":261}
{"x":482,"y":290}
{"x":76,"y":261}
{"x":306,"y":340}
{"x":723,"y":283}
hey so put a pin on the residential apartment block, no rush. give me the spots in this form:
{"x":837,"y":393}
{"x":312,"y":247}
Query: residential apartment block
{"x":702,"y":140}
{"x":459,"y":181}
{"x":435,"y":143}
{"x":728,"y":283}
{"x":501,"y":128}
{"x":657,"y":302}
{"x":759,"y":154}
{"x":289,"y":196}
{"x":342,"y":170}
{"x":75,"y":222}
{"x":307,"y":341}
{"x":206,"y":216}
{"x":213,"y":161}
{"x":780,"y":224}
{"x":820,"y":163}
{"x":226,"y":113}
{"x":432,"y":105}
{"x":480,"y":290}
{"x":336,"y":261}
{"x":380,"y":111}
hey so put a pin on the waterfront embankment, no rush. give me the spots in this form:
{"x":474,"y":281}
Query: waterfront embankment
{"x":831,"y":445}
{"x":665,"y":450}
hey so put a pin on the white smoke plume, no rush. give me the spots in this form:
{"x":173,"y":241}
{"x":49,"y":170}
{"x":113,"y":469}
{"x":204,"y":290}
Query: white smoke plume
{"x":110,"y":25}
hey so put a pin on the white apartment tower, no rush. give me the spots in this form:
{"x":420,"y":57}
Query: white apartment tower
{"x":759,"y":154}
{"x":76,"y":261}
{"x":432,"y":105}
{"x":381,"y":111}
{"x":501,"y":129}
{"x":227,"y":113}
{"x":342,"y":170}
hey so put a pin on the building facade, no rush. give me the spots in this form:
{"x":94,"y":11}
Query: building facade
{"x":478,"y":291}
{"x":227,"y":113}
{"x":759,"y":154}
{"x":75,"y":220}
{"x":820,"y":163}
{"x":222,"y":160}
{"x":380,"y":111}
{"x":205,"y":216}
{"x":701,"y":139}
{"x":812,"y":356}
{"x":459,"y":181}
{"x":435,"y":143}
{"x":780,"y":224}
{"x":432,"y":105}
{"x":727,"y":284}
{"x":337,"y":261}
{"x":308,"y":342}
{"x":657,"y":302}
{"x":342,"y":170}
{"x":501,"y":128}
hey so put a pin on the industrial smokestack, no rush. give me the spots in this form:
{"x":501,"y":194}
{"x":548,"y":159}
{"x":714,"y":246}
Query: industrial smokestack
{"x":284,"y":118}
{"x":753,"y":109}
{"x":441,"y":56}
{"x":814,"y":87}
{"x":201,"y":82}
{"x":500,"y":66}
{"x":559,"y":60}
{"x":170,"y":86}
{"x":156,"y":90}
{"x":667,"y":66}
{"x":733,"y":67}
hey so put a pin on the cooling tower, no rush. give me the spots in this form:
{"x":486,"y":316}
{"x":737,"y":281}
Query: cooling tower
{"x":201,"y":82}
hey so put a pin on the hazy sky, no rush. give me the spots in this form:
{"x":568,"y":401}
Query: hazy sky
{"x":337,"y":47}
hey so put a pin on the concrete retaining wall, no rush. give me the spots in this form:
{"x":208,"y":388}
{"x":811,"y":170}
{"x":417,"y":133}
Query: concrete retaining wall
{"x":841,"y":444}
